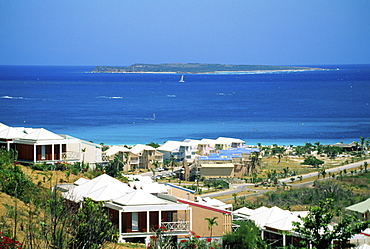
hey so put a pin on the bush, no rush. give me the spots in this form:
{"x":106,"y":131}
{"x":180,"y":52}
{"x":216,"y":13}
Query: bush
{"x":247,"y":236}
{"x":313,"y":161}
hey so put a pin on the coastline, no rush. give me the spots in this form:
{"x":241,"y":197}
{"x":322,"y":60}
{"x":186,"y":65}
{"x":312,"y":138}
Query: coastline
{"x":199,"y":68}
{"x":216,"y":72}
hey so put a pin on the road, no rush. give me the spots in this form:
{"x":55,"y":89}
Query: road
{"x":236,"y":188}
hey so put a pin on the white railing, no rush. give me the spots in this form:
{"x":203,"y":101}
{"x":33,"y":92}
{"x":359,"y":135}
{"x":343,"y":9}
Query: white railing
{"x":71,"y":155}
{"x":104,"y":158}
{"x":176,"y":226}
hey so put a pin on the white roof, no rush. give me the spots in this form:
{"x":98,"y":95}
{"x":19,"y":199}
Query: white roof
{"x":41,"y":134}
{"x":138,"y":197}
{"x":146,"y":183}
{"x":171,"y":146}
{"x":363,"y":246}
{"x":7,"y":132}
{"x":284,"y":224}
{"x":104,"y":194}
{"x":226,"y":140}
{"x":208,"y":141}
{"x":141,"y":147}
{"x":213,"y":202}
{"x":274,"y":217}
{"x":244,"y":211}
{"x":366,"y":232}
{"x":115,"y":149}
{"x":149,"y":187}
{"x":192,"y":142}
{"x":89,"y":187}
{"x":249,"y":212}
{"x":81,"y":181}
{"x":270,"y":216}
{"x":3,"y":126}
{"x":12,"y":132}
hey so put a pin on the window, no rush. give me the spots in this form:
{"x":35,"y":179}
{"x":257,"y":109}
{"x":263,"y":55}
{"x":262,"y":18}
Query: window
{"x":135,"y":222}
{"x":43,"y":152}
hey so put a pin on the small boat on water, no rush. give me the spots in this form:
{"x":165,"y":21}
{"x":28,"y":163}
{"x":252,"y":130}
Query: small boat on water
{"x":182,"y":79}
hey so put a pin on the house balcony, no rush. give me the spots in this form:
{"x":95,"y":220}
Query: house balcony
{"x":134,"y":161}
{"x":105,"y":158}
{"x":176,"y":226}
{"x":71,"y":155}
{"x":169,"y":228}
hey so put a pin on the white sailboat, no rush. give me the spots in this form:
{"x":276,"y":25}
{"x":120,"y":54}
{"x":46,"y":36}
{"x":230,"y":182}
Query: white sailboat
{"x":182,"y":79}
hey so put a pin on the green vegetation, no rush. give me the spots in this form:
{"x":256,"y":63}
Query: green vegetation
{"x":211,"y":222}
{"x":191,"y":68}
{"x":247,"y":236}
{"x":154,"y":145}
{"x":13,"y":181}
{"x":315,"y":227}
{"x":313,"y":161}
{"x":40,"y":217}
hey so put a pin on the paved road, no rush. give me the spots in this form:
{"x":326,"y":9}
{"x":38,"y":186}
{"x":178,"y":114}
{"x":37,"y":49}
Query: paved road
{"x":241,"y":187}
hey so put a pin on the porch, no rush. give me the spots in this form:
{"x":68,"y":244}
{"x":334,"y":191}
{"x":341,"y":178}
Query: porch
{"x":144,"y":221}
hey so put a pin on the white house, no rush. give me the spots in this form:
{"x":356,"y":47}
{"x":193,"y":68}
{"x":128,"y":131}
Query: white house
{"x":37,"y":145}
{"x":180,"y":150}
{"x":136,"y":213}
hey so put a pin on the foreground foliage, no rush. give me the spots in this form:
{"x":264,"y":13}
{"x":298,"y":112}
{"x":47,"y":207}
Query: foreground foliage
{"x":248,"y":236}
{"x":46,"y":220}
{"x":319,"y":231}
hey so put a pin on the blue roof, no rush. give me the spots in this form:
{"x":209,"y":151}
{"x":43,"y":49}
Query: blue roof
{"x":182,"y":188}
{"x":229,"y":154}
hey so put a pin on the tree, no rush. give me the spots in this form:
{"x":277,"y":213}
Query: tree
{"x":323,"y":173}
{"x":362,"y":143}
{"x":114,"y":167}
{"x":299,"y":150}
{"x":365,"y":166}
{"x":154,"y":145}
{"x":313,"y":161}
{"x":93,"y":227}
{"x":83,"y":155}
{"x":254,"y":162}
{"x":13,"y":181}
{"x":317,"y":229}
{"x":248,"y":236}
{"x":211,"y":223}
{"x":319,"y":147}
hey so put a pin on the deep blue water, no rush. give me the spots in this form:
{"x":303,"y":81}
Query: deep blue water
{"x":283,"y":108}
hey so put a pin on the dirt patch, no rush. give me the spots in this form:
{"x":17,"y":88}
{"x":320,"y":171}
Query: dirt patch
{"x":47,"y":179}
{"x":7,"y":215}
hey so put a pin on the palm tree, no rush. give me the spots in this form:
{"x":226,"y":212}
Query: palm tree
{"x":254,"y":162}
{"x":308,"y":148}
{"x":299,"y":150}
{"x":211,"y":223}
{"x":318,"y":148}
{"x":362,"y":143}
{"x":83,"y":155}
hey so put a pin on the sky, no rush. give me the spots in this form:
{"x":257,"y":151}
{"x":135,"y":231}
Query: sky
{"x":124,"y":32}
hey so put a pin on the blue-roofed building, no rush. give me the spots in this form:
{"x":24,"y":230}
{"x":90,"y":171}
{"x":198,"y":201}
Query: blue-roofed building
{"x":238,"y":157}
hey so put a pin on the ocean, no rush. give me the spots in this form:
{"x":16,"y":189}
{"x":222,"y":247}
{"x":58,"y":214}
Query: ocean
{"x":285,"y":108}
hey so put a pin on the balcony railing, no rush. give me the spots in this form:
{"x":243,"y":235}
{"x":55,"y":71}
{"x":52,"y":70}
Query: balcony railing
{"x":71,"y":155}
{"x":176,"y":226}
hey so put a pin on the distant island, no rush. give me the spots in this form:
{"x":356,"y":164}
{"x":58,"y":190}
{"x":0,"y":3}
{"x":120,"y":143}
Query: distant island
{"x":196,"y":68}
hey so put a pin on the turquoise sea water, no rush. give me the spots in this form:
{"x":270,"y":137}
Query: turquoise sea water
{"x":283,"y":108}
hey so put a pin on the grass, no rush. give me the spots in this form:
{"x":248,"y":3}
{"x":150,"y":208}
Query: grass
{"x":242,"y":193}
{"x":294,"y":164}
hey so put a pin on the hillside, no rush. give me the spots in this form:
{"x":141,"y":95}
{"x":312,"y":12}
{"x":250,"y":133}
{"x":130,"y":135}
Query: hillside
{"x":195,"y":68}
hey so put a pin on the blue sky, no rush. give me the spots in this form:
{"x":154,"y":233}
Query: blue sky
{"x":123,"y":32}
